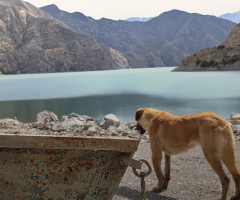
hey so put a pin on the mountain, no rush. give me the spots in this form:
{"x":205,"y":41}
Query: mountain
{"x":139,"y":19}
{"x":235,"y":17}
{"x":163,"y":41}
{"x":32,"y":41}
{"x":223,"y":57}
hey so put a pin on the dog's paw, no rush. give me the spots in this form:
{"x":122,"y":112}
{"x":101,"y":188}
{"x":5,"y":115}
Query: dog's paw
{"x":235,"y":197}
{"x":165,"y":184}
{"x":156,"y":189}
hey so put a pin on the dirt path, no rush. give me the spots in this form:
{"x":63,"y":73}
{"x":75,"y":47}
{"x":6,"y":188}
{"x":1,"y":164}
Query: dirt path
{"x":191,"y":178}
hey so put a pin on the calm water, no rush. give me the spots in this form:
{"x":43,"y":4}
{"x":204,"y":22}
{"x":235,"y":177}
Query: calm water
{"x":120,"y":92}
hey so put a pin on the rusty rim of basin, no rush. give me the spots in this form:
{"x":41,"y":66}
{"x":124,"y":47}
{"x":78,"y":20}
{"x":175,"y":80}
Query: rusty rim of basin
{"x":16,"y":141}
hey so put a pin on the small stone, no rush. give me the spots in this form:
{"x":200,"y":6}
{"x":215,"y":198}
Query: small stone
{"x":92,"y":130}
{"x":236,"y":128}
{"x":111,"y":120}
{"x":121,"y":128}
{"x":81,"y":119}
{"x":64,"y":118}
{"x":102,"y":124}
{"x":86,"y":126}
{"x":125,"y":134}
{"x":73,"y":115}
{"x":49,"y":126}
{"x":87,"y":118}
{"x":111,"y":128}
{"x":114,"y":133}
{"x":46,"y":116}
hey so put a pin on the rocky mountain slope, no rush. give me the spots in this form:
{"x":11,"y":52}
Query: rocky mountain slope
{"x":32,"y":41}
{"x":223,"y":57}
{"x":235,"y":17}
{"x":163,"y":41}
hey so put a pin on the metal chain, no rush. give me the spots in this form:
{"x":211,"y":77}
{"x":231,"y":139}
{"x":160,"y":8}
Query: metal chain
{"x":143,"y":186}
{"x":142,"y":175}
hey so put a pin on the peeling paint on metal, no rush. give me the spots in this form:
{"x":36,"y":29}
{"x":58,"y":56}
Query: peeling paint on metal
{"x":48,"y":173}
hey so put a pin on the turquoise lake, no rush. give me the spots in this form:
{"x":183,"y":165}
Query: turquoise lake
{"x":120,"y":92}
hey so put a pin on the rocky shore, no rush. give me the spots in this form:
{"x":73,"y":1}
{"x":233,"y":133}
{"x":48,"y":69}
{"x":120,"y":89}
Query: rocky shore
{"x":47,"y":123}
{"x":71,"y":125}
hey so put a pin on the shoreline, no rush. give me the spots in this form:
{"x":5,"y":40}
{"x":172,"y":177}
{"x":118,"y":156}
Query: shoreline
{"x":82,"y":125}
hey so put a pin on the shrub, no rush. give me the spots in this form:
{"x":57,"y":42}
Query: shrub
{"x":198,"y":61}
{"x":221,"y":47}
{"x":211,"y":63}
{"x":224,"y":61}
{"x":234,"y":58}
{"x":3,"y":71}
{"x":215,"y":64}
{"x":204,"y":63}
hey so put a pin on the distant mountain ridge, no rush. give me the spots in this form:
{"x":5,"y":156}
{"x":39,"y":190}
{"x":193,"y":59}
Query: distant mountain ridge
{"x":235,"y":17}
{"x":223,"y":57}
{"x":163,"y":41}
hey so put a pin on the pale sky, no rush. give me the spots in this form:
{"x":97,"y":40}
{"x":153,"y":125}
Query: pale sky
{"x":123,"y":9}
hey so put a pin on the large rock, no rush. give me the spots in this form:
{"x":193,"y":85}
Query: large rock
{"x":46,"y":116}
{"x":235,"y":116}
{"x":234,"y":119}
{"x":236,"y":128}
{"x":9,"y":122}
{"x":67,"y":124}
{"x":111,"y":120}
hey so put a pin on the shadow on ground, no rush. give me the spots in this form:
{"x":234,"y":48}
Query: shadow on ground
{"x":132,"y":194}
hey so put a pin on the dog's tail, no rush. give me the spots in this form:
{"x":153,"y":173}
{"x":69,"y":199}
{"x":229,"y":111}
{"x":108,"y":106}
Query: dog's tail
{"x":229,"y":156}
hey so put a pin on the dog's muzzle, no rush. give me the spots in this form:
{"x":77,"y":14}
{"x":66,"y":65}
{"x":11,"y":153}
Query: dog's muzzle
{"x":140,"y":129}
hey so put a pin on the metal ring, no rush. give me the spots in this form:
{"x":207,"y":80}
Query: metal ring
{"x":145,"y":173}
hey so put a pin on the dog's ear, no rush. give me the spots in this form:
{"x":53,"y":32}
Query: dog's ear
{"x":138,"y":114}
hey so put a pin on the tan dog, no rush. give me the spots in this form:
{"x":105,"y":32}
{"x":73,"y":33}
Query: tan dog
{"x":173,"y":134}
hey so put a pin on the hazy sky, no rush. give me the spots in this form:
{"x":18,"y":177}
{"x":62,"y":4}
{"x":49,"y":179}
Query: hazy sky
{"x":123,"y":9}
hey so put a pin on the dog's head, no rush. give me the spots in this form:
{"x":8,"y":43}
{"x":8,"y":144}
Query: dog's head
{"x":138,"y":117}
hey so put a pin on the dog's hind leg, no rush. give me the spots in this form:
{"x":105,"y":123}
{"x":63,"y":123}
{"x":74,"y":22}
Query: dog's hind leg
{"x":167,"y":170}
{"x":237,"y":193}
{"x":229,"y":159}
{"x":216,"y":165}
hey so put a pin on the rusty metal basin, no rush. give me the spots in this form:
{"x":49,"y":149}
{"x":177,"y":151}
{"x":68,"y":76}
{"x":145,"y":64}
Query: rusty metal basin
{"x":55,"y":168}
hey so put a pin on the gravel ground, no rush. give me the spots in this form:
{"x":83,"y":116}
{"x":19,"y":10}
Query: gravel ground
{"x":191,"y":178}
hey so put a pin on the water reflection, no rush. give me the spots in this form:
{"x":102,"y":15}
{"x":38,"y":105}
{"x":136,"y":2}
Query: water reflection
{"x":123,"y":105}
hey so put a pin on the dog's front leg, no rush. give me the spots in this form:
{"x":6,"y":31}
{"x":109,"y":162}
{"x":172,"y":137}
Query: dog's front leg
{"x":167,"y":170}
{"x":156,"y":160}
